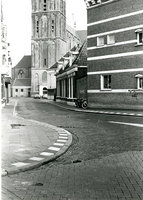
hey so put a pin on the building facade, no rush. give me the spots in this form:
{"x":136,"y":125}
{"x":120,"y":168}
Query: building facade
{"x":21,"y":78}
{"x":115,"y":53}
{"x":71,"y":75}
{"x":51,"y":39}
{"x":6,"y":63}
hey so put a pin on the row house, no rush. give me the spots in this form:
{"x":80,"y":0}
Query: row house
{"x":71,"y":75}
{"x":115,"y":53}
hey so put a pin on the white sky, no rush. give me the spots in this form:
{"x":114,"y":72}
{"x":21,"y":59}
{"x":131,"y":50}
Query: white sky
{"x":17,"y":16}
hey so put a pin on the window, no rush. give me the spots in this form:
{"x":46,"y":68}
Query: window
{"x":44,"y":5}
{"x":106,"y":82}
{"x":53,"y":26}
{"x":21,"y":90}
{"x":45,"y":62}
{"x":100,"y":41}
{"x":37,"y":25}
{"x":21,"y":74}
{"x":139,"y":81}
{"x":139,"y":36}
{"x":110,"y":39}
{"x":16,"y":90}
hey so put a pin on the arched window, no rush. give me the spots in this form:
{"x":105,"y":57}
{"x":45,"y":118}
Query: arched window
{"x":36,"y":82}
{"x":21,"y":74}
{"x":44,"y":77}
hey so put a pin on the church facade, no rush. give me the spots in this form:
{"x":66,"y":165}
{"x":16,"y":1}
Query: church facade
{"x":51,"y":39}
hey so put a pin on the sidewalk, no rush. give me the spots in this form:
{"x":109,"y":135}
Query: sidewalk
{"x":137,"y":113}
{"x":27,"y":144}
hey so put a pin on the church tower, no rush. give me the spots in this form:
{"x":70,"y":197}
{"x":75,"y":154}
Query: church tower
{"x":48,"y":43}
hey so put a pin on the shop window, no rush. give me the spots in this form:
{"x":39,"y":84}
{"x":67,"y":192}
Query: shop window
{"x":110,"y":39}
{"x":139,"y":36}
{"x":106,"y":82}
{"x":100,"y":41}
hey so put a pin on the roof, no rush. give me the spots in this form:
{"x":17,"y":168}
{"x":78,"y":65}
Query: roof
{"x":81,"y":59}
{"x":25,"y":62}
{"x":22,"y":82}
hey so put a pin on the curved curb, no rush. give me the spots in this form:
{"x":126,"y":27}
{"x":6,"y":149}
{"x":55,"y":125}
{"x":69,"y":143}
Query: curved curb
{"x":99,"y":112}
{"x":64,"y":136}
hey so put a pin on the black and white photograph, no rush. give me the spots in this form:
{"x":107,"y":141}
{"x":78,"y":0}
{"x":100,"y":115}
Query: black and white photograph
{"x":71,"y":100}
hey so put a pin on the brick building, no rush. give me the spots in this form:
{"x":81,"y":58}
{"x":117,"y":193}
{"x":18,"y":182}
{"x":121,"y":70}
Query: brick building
{"x":115,"y":53}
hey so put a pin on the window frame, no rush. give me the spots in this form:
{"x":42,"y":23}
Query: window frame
{"x":108,"y":39}
{"x":138,"y":33}
{"x":108,"y":82}
{"x":98,"y":41}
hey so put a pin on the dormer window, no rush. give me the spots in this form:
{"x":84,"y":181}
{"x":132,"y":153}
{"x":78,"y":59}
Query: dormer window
{"x":139,"y":36}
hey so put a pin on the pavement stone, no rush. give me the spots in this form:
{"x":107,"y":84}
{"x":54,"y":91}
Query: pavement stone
{"x":27,"y":144}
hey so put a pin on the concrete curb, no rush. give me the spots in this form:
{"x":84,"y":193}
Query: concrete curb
{"x":99,"y":112}
{"x":13,"y":170}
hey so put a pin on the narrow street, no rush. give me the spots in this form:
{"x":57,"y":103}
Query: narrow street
{"x":105,"y":160}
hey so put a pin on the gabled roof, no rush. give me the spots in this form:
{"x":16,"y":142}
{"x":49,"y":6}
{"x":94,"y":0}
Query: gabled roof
{"x":22,"y":82}
{"x":25,"y":62}
{"x":81,"y":59}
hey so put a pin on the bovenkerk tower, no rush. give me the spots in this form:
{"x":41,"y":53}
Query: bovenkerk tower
{"x":48,"y":43}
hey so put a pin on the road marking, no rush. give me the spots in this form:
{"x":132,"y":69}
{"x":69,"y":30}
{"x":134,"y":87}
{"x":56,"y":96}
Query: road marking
{"x":61,"y":140}
{"x":46,"y":154}
{"x":36,"y":158}
{"x":63,"y":134}
{"x":63,"y":137}
{"x":58,"y":144}
{"x":54,"y":148}
{"x":20,"y":164}
{"x":129,"y":124}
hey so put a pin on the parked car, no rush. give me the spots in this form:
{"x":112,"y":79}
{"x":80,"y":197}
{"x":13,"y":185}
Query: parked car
{"x":37,"y":96}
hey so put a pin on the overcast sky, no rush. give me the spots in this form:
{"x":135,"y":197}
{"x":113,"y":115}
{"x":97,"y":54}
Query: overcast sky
{"x":17,"y":15}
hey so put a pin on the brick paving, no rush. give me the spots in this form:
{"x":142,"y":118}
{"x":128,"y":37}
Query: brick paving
{"x":114,"y":177}
{"x":117,"y":176}
{"x":29,"y":143}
